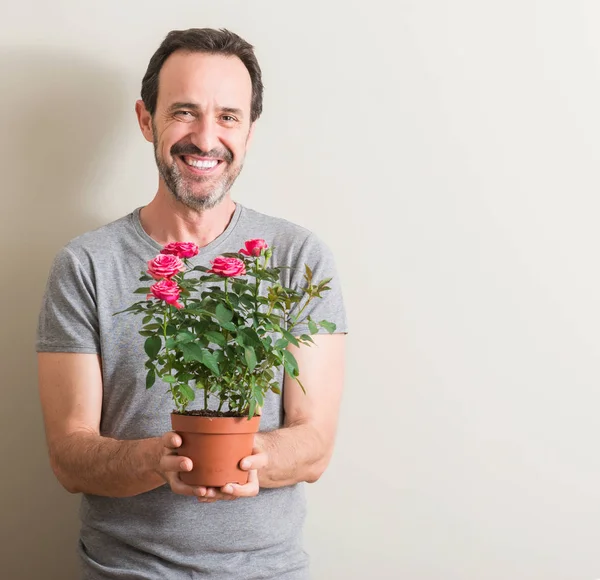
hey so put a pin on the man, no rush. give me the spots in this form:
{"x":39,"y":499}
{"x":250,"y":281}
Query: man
{"x":108,"y":437}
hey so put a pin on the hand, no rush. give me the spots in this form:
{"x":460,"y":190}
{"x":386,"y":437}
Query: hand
{"x":171,"y":465}
{"x":258,"y":460}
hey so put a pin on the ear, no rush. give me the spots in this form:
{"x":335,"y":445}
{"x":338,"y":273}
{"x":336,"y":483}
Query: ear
{"x":144,"y":120}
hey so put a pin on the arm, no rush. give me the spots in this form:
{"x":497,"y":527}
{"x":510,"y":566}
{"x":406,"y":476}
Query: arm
{"x":70,"y":386}
{"x":301,"y":450}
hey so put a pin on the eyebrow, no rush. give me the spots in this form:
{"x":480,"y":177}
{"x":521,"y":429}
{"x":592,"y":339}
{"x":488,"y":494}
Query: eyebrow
{"x":195,"y":107}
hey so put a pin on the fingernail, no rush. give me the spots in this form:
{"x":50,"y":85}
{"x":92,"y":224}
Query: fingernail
{"x":246,"y":464}
{"x":184,"y":466}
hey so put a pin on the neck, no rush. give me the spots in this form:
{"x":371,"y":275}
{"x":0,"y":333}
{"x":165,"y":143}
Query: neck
{"x":166,"y":220}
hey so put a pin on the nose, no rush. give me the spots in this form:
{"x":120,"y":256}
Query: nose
{"x":204,"y":134}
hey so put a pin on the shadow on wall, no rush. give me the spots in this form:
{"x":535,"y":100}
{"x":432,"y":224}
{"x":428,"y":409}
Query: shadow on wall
{"x":58,"y":113}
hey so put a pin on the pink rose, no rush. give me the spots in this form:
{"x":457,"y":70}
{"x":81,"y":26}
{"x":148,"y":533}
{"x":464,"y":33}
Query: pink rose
{"x":227,"y":267}
{"x":254,"y":247}
{"x":181,"y":249}
{"x":165,"y":266}
{"x":166,"y":290}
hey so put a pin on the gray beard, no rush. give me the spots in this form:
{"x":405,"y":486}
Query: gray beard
{"x":183,"y":191}
{"x":182,"y":188}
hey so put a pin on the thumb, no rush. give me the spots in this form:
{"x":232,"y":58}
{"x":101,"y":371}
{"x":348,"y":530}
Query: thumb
{"x":257,"y":461}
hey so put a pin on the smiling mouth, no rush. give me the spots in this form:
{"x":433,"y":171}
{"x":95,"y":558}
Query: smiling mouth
{"x":202,"y":165}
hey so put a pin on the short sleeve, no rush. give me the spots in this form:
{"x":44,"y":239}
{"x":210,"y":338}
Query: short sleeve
{"x":68,"y":320}
{"x":330,"y":307}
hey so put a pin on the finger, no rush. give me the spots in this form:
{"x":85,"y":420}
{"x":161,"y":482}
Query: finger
{"x":258,"y":461}
{"x":206,"y":500}
{"x":171,"y":440}
{"x":249,"y":489}
{"x":175,"y":463}
{"x":178,"y":487}
{"x":211,"y":493}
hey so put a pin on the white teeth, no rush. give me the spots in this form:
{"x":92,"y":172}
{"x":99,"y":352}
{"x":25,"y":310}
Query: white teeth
{"x":200,"y":164}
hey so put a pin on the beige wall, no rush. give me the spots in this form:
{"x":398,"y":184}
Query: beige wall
{"x":448,"y":153}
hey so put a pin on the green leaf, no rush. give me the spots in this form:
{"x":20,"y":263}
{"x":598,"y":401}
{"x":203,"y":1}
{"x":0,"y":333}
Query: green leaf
{"x":308,"y":274}
{"x":152,"y":346}
{"x":169,"y":379}
{"x":276,"y":389}
{"x":147,"y":332}
{"x":171,"y":329}
{"x":185,"y":336}
{"x":251,"y":337}
{"x":187,"y":392}
{"x":209,"y":362}
{"x":290,"y":337}
{"x":200,"y":327}
{"x":290,"y":363}
{"x":145,"y":290}
{"x":250,"y":358}
{"x":281,"y":343}
{"x":312,"y":327}
{"x":241,"y":287}
{"x":252,"y":408}
{"x":147,"y":319}
{"x":201,"y":269}
{"x":150,"y":378}
{"x":137,"y":307}
{"x":229,"y":326}
{"x":328,"y":326}
{"x":246,"y":301}
{"x":223,"y":313}
{"x":191,"y":351}
{"x":215,"y":337}
{"x":307,"y":338}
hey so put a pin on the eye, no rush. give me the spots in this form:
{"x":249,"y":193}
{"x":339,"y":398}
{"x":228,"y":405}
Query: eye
{"x":228,"y":118}
{"x":184,"y":114}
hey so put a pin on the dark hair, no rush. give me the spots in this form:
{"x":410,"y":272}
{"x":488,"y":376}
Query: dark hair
{"x":210,"y":41}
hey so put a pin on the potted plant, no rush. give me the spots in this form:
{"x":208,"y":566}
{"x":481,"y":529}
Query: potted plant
{"x":217,"y":331}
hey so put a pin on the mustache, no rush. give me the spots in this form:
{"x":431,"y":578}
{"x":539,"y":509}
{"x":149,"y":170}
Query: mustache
{"x":190,"y":149}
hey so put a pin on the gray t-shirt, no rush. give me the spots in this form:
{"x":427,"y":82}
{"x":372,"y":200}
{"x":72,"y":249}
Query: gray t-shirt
{"x":159,"y":535}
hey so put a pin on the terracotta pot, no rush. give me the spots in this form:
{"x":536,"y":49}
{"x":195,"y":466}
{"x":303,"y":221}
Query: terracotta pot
{"x":215,"y":445}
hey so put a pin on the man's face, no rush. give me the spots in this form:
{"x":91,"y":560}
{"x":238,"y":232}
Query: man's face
{"x":201,"y":126}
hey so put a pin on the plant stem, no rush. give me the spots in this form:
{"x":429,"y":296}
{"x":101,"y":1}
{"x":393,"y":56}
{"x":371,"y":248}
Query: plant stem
{"x":165,"y":321}
{"x":301,"y":311}
{"x":227,"y":295}
{"x":256,"y":285}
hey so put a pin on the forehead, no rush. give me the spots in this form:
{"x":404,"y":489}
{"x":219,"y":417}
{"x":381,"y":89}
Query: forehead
{"x":204,"y":79}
